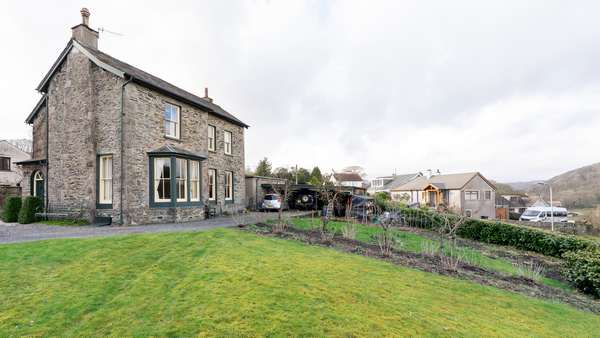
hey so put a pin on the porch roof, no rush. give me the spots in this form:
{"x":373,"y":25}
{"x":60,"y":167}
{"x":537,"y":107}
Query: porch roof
{"x":171,"y":150}
{"x":32,"y":161}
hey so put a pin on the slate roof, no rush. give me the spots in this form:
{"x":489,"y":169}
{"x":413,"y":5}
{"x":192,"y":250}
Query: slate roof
{"x":36,"y":109}
{"x":148,"y":80}
{"x":347,"y":177}
{"x":399,"y":180}
{"x":169,"y":149}
{"x":450,"y":181}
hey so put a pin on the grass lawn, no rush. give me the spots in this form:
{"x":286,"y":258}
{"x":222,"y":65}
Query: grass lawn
{"x":229,"y":283}
{"x":415,"y":243}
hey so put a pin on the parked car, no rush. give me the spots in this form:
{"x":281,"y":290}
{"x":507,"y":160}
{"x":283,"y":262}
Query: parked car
{"x":271,"y":202}
{"x":544,"y":214}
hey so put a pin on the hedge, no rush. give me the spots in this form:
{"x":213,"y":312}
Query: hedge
{"x":31,"y":205}
{"x":520,"y":237}
{"x":582,"y":269}
{"x":11,"y":209}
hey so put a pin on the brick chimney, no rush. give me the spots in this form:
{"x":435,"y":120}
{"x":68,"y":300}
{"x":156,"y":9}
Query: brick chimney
{"x":83,"y":33}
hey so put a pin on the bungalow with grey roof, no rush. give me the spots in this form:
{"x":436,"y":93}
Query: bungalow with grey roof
{"x":469,"y":194}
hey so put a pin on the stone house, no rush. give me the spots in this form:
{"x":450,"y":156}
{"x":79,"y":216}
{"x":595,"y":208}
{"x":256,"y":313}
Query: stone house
{"x":470,"y":194}
{"x":11,"y":176}
{"x":112,"y":140}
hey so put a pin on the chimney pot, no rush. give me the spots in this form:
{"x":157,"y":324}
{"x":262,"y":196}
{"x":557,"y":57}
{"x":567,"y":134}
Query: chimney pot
{"x":83,"y":33}
{"x":206,"y":95}
{"x":85,"y":16}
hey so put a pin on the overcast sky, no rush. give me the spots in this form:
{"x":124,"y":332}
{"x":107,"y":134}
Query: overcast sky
{"x":507,"y":88}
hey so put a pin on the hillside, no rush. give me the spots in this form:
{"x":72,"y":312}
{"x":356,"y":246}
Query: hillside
{"x":578,"y":188}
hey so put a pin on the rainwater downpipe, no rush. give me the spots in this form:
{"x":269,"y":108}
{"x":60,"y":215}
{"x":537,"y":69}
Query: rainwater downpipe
{"x":122,"y":114}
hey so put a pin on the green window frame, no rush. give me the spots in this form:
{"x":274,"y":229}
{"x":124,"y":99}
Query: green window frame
{"x":175,"y":181}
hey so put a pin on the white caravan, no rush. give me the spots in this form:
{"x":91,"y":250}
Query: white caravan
{"x":544,"y":214}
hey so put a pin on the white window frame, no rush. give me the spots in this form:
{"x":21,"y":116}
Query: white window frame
{"x":157,"y":179}
{"x":469,"y":193}
{"x":181,"y":179}
{"x":485,"y":192}
{"x":105,"y":179}
{"x":168,"y":121}
{"x":229,"y":185}
{"x":227,"y":144}
{"x":212,"y":139}
{"x":194,"y":181}
{"x":36,"y":178}
{"x":212,"y":184}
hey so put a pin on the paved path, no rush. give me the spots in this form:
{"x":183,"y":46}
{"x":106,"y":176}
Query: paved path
{"x":14,"y":232}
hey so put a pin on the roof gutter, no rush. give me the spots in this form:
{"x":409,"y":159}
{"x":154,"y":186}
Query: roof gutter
{"x":122,"y":136}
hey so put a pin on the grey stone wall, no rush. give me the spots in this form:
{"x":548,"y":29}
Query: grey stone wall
{"x":71,"y":144}
{"x":107,"y":102}
{"x":144,"y":131}
{"x":39,"y":135}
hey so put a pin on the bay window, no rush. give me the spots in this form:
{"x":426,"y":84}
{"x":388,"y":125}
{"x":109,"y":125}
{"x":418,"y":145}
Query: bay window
{"x":162,"y":179}
{"x":181,"y":177}
{"x":175,"y":181}
{"x":194,"y":181}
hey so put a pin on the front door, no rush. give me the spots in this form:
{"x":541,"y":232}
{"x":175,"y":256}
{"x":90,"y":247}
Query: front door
{"x":38,"y":185}
{"x":432,"y":198}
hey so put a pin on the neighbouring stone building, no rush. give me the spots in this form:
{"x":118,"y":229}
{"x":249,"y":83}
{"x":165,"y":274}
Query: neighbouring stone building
{"x":11,"y":176}
{"x":112,"y":140}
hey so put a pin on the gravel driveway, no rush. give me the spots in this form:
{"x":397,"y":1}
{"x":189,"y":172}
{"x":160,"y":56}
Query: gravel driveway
{"x":14,"y":232}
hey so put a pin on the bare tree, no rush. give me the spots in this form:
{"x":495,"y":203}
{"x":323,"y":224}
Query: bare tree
{"x":328,"y":193}
{"x":282,"y":223}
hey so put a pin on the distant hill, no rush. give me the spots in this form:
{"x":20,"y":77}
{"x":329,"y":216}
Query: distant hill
{"x":578,"y":188}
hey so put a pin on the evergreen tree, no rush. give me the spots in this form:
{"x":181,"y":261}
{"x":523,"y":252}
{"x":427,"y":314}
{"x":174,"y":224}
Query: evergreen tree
{"x":316,"y":178}
{"x":263,"y":168}
{"x":303,"y":175}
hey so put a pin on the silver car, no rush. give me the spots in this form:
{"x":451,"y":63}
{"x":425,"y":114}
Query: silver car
{"x":271,"y":202}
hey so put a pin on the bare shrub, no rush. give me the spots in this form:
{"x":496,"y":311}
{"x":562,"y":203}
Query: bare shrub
{"x":349,"y":230}
{"x":452,"y":259}
{"x":327,"y":235}
{"x":386,"y":242}
{"x":430,"y":248}
{"x":530,"y":270}
{"x":281,"y":225}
